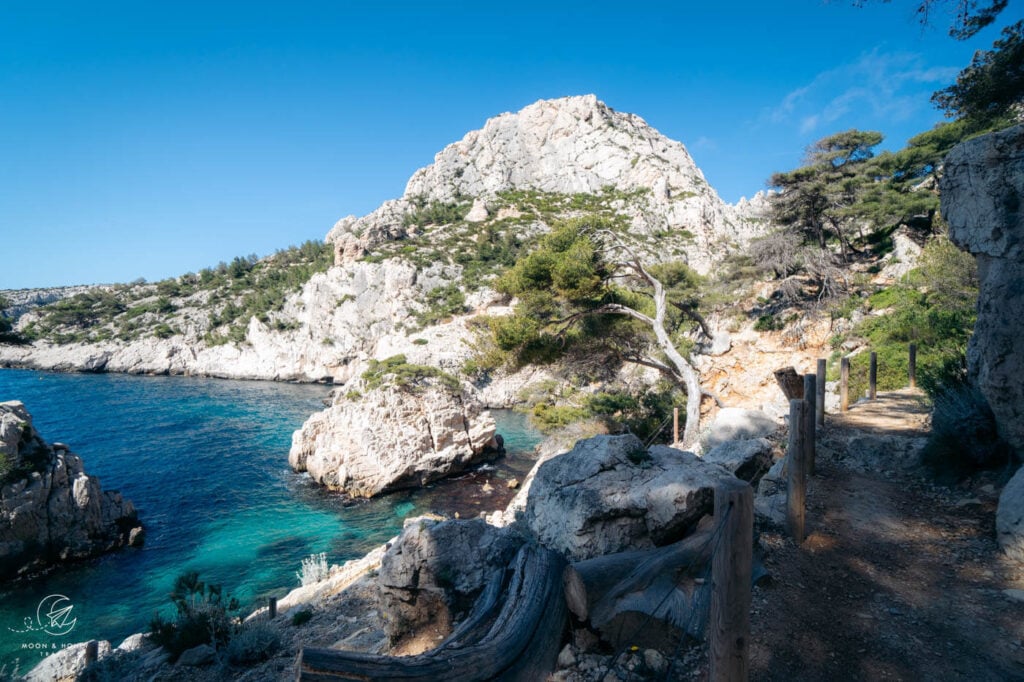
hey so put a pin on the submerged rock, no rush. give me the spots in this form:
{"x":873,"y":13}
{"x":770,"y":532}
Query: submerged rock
{"x":392,"y":438}
{"x":51,"y":511}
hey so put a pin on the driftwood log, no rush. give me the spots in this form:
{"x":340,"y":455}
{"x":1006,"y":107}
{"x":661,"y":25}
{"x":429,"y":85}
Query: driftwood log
{"x":513,"y":633}
{"x":622,"y":595}
{"x":791,"y":383}
{"x":650,"y":597}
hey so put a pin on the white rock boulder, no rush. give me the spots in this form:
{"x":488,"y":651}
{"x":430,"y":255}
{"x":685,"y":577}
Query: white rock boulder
{"x":393,"y":437}
{"x":609,"y":494}
{"x":1010,"y":517}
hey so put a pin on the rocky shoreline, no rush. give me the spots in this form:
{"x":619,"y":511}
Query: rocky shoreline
{"x":408,"y":594}
{"x":51,"y":511}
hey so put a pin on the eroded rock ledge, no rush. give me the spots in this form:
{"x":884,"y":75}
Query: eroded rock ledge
{"x":51,"y":511}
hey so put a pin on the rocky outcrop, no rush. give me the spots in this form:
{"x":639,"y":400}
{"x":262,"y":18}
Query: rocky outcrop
{"x":21,"y":301}
{"x":567,"y":146}
{"x":609,"y":494}
{"x":737,"y":423}
{"x":982,"y":190}
{"x":1010,"y":517}
{"x":433,"y":572}
{"x":746,"y":459}
{"x":393,"y":437}
{"x":51,"y":511}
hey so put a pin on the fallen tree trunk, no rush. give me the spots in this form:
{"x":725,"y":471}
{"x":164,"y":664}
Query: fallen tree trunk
{"x":647,"y":597}
{"x":511,"y":635}
{"x":621,"y":595}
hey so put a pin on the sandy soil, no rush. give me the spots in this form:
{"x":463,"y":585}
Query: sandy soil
{"x":898,"y":579}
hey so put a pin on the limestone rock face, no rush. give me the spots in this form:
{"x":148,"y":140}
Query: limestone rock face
{"x":737,"y":423}
{"x":1010,"y":517}
{"x":572,"y":145}
{"x":608,"y":494}
{"x":65,"y":665}
{"x":435,"y":569}
{"x":982,"y":189}
{"x":746,"y":459}
{"x":52,"y":511}
{"x":392,"y":438}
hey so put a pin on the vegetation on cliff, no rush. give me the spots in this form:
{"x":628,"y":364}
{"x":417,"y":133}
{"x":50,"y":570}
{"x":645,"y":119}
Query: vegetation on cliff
{"x":216,"y":303}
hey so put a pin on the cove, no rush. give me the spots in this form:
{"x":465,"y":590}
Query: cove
{"x":205,"y":462}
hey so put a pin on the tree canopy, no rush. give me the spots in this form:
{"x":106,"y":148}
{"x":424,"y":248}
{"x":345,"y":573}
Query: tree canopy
{"x":992,"y":85}
{"x":584,"y":289}
{"x":966,"y":17}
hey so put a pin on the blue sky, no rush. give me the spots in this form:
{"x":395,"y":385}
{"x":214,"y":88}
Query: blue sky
{"x":154,"y":139}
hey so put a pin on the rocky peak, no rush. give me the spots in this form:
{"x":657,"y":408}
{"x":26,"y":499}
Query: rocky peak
{"x":567,"y":145}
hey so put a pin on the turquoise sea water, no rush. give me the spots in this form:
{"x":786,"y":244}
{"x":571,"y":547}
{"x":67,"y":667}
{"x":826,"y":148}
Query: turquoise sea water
{"x":206,"y":463}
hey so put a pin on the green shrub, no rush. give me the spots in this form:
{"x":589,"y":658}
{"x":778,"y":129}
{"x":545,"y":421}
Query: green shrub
{"x":441,"y":303}
{"x":398,"y":372}
{"x":768,"y":323}
{"x":255,"y":642}
{"x":203,"y":617}
{"x":301,"y":617}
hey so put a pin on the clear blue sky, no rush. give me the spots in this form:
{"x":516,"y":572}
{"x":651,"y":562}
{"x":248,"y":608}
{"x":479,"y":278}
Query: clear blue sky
{"x":150,"y":139}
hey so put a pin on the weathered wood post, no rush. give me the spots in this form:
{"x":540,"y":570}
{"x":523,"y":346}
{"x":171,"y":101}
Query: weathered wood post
{"x":873,"y":377}
{"x":92,"y":652}
{"x":844,"y":384}
{"x":272,"y":607}
{"x":810,"y":422}
{"x":797,"y":470}
{"x":729,"y":626}
{"x":819,"y":396}
{"x":912,"y":365}
{"x":675,"y":425}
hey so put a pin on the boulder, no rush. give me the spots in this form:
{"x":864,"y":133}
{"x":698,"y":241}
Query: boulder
{"x":51,"y":511}
{"x":982,"y":191}
{"x":609,"y":494}
{"x":770,"y":497}
{"x":393,"y":437}
{"x":435,"y":569}
{"x":196,"y":656}
{"x":746,"y":459}
{"x":1010,"y":517}
{"x":736,"y":423}
{"x":65,"y":665}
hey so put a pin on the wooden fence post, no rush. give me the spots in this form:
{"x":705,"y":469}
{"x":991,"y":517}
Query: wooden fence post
{"x":912,"y":365}
{"x":810,"y":422}
{"x":272,"y":607}
{"x":675,"y":425}
{"x":819,"y":396}
{"x":729,"y":626}
{"x":844,"y":384}
{"x":797,"y":468}
{"x":873,"y":376}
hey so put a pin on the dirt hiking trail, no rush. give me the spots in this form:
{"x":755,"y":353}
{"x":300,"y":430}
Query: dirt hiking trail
{"x":898,"y":579}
